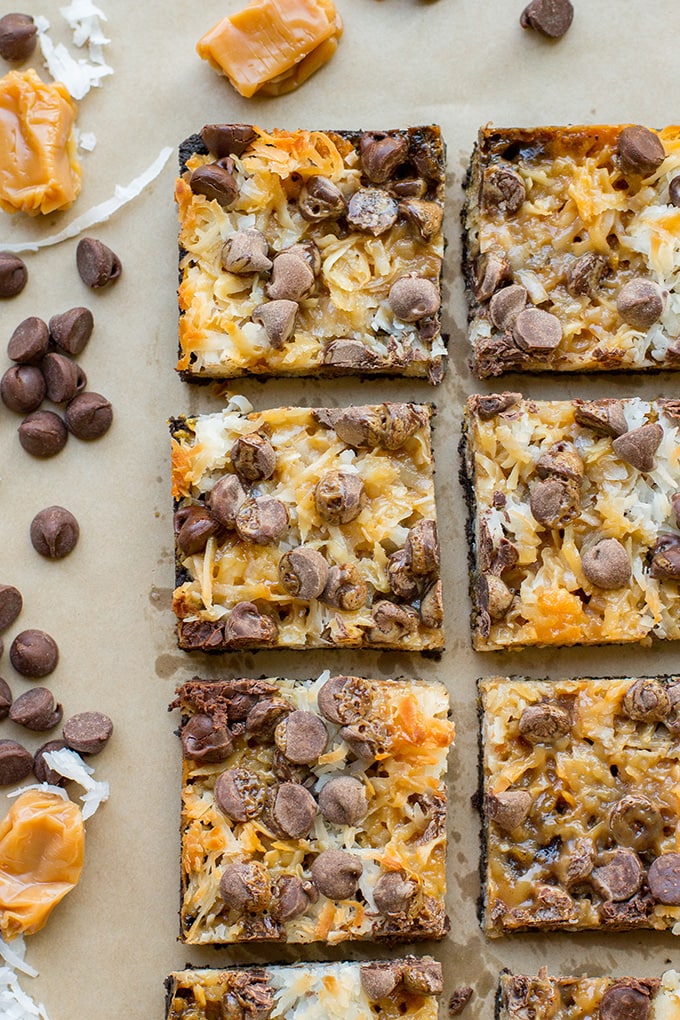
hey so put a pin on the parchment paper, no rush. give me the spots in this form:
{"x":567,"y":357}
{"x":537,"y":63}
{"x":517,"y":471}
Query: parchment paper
{"x":461,"y":63}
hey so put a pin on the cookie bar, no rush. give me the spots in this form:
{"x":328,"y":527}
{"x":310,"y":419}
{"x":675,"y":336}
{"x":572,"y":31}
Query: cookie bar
{"x":579,"y":799}
{"x":353,"y":991}
{"x":306,"y":528}
{"x":581,"y":998}
{"x":573,"y":531}
{"x":313,"y":810}
{"x":310,"y":253}
{"x":571,"y":251}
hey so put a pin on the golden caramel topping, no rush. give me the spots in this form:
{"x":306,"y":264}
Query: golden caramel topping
{"x":42,"y":846}
{"x":39,"y":171}
{"x":272,"y":45}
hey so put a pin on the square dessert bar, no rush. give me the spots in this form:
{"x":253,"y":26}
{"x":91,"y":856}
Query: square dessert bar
{"x":581,"y":998}
{"x":581,"y":823}
{"x":574,"y":536}
{"x":306,"y":528}
{"x":313,"y":811}
{"x":338,"y":991}
{"x":310,"y":253}
{"x":572,"y":249}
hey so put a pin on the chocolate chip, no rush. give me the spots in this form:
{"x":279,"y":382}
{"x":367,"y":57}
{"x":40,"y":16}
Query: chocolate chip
{"x":246,"y":626}
{"x":345,"y":588}
{"x":640,"y":303}
{"x":381,"y":154}
{"x":293,"y":810}
{"x":379,"y":980}
{"x":459,"y":999}
{"x":13,"y":275}
{"x":193,"y":526}
{"x":348,"y":354}
{"x":646,"y":701}
{"x":665,"y":557}
{"x":11,"y":603}
{"x":561,"y":459}
{"x":625,"y":1002}
{"x":551,"y":18}
{"x":372,"y":210}
{"x":88,"y":732}
{"x":29,"y":342}
{"x":432,"y":605}
{"x":544,"y":723}
{"x":363,"y":740}
{"x":253,"y":457}
{"x":228,"y":139}
{"x":620,"y":878}
{"x":413,"y":297}
{"x":503,"y":189}
{"x":409,"y":187}
{"x":426,"y":217}
{"x":302,"y":737}
{"x":245,"y":886}
{"x":339,"y":497}
{"x":674,"y":191}
{"x":391,"y":623}
{"x":34,"y":654}
{"x":554,"y":502}
{"x":293,"y":896}
{"x":606,"y":564}
{"x":54,"y":532}
{"x":97,"y":265}
{"x":508,"y":808}
{"x":5,"y":698}
{"x":291,"y":279}
{"x":63,"y":377}
{"x":664,"y":879}
{"x":303,"y":572}
{"x":89,"y":415}
{"x":394,"y":892}
{"x":635,"y":822}
{"x":262,"y":520}
{"x":205,"y":739}
{"x":424,"y":977}
{"x":72,"y":329}
{"x":15,"y":762}
{"x":605,"y":417}
{"x":506,"y":304}
{"x":246,"y":251}
{"x":344,"y":699}
{"x":422,"y":548}
{"x":264,"y":717}
{"x":43,"y":772}
{"x":278,"y":320}
{"x":336,"y":874}
{"x":239,"y":794}
{"x":18,"y":36}
{"x":343,"y":801}
{"x":22,"y":388}
{"x":638,"y":447}
{"x":488,"y":406}
{"x":401,"y":579}
{"x":43,"y":434}
{"x":499,"y":596}
{"x":537,"y":331}
{"x":492,"y":270}
{"x":217,"y":183}
{"x":36,"y":710}
{"x":321,"y":199}
{"x":585,"y":273}
{"x":225,"y":499}
{"x":640,"y":150}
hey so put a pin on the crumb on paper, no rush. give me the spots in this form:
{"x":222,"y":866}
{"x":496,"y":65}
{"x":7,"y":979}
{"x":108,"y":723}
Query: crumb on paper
{"x":459,"y":1000}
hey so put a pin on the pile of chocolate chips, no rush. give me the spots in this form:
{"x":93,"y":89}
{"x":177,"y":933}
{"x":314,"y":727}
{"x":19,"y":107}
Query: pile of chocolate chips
{"x":44,"y":368}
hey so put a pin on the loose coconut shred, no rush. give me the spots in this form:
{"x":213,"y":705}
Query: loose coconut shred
{"x":79,"y":76}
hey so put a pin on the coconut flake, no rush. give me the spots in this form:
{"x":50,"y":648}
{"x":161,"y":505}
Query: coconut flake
{"x":99,"y":213}
{"x":14,"y":956}
{"x":85,"y":140}
{"x":70,"y":765}
{"x":15,"y":1004}
{"x":78,"y":76}
{"x":43,"y":787}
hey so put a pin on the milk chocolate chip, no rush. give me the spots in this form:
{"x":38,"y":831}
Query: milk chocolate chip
{"x":13,"y":274}
{"x":639,"y":446}
{"x":422,"y":547}
{"x":246,"y":251}
{"x":89,"y":415}
{"x":503,"y":189}
{"x":536,"y":331}
{"x":413,"y":297}
{"x":344,"y":699}
{"x":239,"y":794}
{"x":623,"y":1001}
{"x":606,"y":564}
{"x":555,"y":501}
{"x":640,"y":303}
{"x":88,"y":732}
{"x":204,"y":739}
{"x":647,"y":701}
{"x":34,"y":654}
{"x":215,"y":182}
{"x":36,"y":710}
{"x":372,"y":210}
{"x":394,"y":892}
{"x":506,"y":304}
{"x":303,"y":573}
{"x":664,"y":879}
{"x":29,"y":342}
{"x":301,"y":737}
{"x":336,"y":874}
{"x":54,"y":532}
{"x":291,"y":279}
{"x":42,"y":771}
{"x":18,"y":36}
{"x":321,"y":199}
{"x":343,"y":801}
{"x":246,"y":626}
{"x":226,"y":499}
{"x":97,"y":265}
{"x":620,"y":878}
{"x":339,"y":497}
{"x":63,"y":377}
{"x":544,"y":723}
{"x":193,"y":526}
{"x":585,"y":273}
{"x":277,"y":319}
{"x":605,"y":417}
{"x":227,"y":139}
{"x":15,"y":762}
{"x":22,"y":388}
{"x":11,"y":602}
{"x":245,"y":886}
{"x":293,"y":896}
{"x":253,"y":457}
{"x":635,"y":822}
{"x":508,"y":808}
{"x":262,"y":520}
{"x":72,"y":329}
{"x":379,"y":980}
{"x":5,"y":698}
{"x":551,"y":18}
{"x":381,"y":154}
{"x":640,"y":150}
{"x":293,"y":810}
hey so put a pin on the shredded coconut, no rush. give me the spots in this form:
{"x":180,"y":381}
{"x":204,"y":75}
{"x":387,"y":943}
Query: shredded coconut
{"x":15,"y":1004}
{"x":69,"y":764}
{"x":80,"y":75}
{"x":99,"y":213}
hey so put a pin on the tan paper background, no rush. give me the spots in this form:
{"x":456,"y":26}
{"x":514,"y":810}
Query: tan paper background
{"x":461,"y":63}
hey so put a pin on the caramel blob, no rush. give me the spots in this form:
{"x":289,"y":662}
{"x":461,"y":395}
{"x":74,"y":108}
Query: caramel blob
{"x":39,"y":171}
{"x":42,"y":846}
